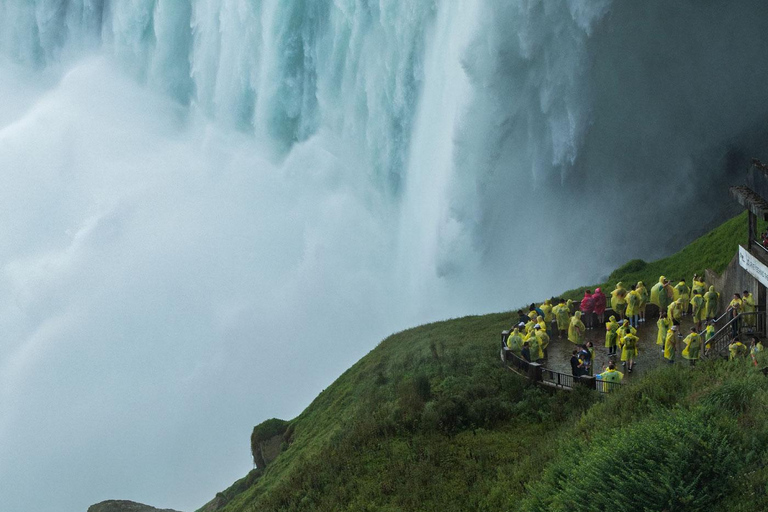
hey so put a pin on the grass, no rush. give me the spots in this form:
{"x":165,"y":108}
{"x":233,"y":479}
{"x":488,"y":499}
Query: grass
{"x":429,"y":420}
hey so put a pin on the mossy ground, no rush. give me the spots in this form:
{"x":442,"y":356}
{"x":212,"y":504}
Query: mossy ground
{"x":429,"y":420}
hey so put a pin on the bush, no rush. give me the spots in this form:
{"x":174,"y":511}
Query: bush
{"x":680,"y":461}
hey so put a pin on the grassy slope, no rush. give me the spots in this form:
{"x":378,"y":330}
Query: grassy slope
{"x":429,"y":420}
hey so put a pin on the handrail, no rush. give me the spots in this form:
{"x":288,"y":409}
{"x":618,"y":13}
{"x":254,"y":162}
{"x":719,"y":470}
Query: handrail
{"x":720,"y":341}
{"x":539,"y":374}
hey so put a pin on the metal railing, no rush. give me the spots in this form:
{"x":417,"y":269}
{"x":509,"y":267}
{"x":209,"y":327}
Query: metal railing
{"x":753,"y":322}
{"x":540,"y":375}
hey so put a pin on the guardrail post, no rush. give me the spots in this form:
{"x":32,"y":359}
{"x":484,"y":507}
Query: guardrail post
{"x":586,"y":380}
{"x":534,"y":372}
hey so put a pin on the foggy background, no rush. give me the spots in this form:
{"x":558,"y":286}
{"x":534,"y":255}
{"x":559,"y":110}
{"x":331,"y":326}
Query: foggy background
{"x":209,"y":210}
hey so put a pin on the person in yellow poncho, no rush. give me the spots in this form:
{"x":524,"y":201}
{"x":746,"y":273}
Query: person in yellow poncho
{"x":624,"y":328}
{"x":748,"y":306}
{"x":576,"y":329}
{"x":670,"y":295}
{"x":543,"y":338}
{"x":541,"y":323}
{"x":663,"y":324}
{"x":656,"y":290}
{"x":711,"y":299}
{"x":698,"y":286}
{"x":670,"y":344}
{"x":562,"y":316}
{"x":534,"y":346}
{"x":515,"y":341}
{"x":683,"y":293}
{"x":736,"y":349}
{"x":698,"y":310}
{"x":675,"y":311}
{"x":611,"y":335}
{"x":629,"y":350}
{"x":549,"y":316}
{"x":709,"y":333}
{"x":611,"y":376}
{"x":642,"y":292}
{"x":633,"y":306}
{"x":734,"y":309}
{"x":692,"y":346}
{"x":619,"y":300}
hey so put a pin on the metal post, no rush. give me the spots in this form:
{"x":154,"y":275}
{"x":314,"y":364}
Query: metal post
{"x":534,"y":372}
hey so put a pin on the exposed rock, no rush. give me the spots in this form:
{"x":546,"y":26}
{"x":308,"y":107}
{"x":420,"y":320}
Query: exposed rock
{"x":124,"y":506}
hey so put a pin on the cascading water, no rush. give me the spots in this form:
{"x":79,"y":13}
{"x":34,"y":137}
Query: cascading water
{"x":212,"y":208}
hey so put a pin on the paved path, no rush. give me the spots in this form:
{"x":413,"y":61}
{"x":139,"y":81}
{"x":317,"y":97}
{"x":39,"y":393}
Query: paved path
{"x":649,"y":354}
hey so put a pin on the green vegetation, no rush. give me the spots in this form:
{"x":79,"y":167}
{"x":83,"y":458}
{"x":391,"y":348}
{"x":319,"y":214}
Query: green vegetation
{"x":429,"y":420}
{"x":712,"y":251}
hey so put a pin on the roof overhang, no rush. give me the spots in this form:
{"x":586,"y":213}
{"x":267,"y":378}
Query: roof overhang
{"x":750,"y":200}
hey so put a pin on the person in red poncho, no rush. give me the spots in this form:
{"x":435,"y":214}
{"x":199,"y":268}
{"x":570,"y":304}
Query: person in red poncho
{"x":587,"y":308}
{"x":599,"y":302}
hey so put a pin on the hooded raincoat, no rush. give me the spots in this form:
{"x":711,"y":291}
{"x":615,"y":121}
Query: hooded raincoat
{"x":610,"y":332}
{"x":656,"y":290}
{"x":711,"y":299}
{"x":692,"y":346}
{"x":619,"y":298}
{"x":600,"y":301}
{"x":576,"y":329}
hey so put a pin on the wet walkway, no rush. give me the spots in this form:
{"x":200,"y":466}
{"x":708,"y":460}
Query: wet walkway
{"x":649,"y":354}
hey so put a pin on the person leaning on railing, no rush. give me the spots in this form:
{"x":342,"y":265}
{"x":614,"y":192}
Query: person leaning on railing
{"x":611,"y":376}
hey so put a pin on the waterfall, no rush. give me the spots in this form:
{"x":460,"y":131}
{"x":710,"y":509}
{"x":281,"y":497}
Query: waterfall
{"x":212,"y":208}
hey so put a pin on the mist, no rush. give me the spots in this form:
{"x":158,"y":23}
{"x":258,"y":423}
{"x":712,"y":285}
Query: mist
{"x":210,"y":210}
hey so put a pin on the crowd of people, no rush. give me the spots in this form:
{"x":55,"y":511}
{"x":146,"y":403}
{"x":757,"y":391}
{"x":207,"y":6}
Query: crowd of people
{"x":533,"y":331}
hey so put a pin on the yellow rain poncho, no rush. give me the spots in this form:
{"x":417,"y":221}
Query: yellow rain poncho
{"x":576,"y":329}
{"x":670,"y":345}
{"x":610,"y":375}
{"x":562,"y":315}
{"x":543,"y":339}
{"x":515,"y":341}
{"x":534,"y":347}
{"x":748,"y":305}
{"x":682,"y":292}
{"x":610,"y":332}
{"x":736,"y":349}
{"x":737,"y":305}
{"x":699,"y":287}
{"x":709,"y":333}
{"x":699,"y":310}
{"x":656,"y":290}
{"x":541,"y":323}
{"x":663,"y":324}
{"x":619,"y":298}
{"x":675,"y":310}
{"x":633,"y":303}
{"x":547,"y":309}
{"x":711,"y":299}
{"x":624,"y":329}
{"x":642,"y":292}
{"x":692,"y":346}
{"x":629,"y":347}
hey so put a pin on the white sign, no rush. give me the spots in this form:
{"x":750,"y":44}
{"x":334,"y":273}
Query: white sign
{"x":752,"y":265}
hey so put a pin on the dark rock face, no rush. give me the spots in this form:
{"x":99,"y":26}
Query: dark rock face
{"x":124,"y":506}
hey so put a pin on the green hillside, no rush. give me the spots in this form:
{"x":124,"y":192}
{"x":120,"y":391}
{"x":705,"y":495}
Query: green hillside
{"x":429,"y":420}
